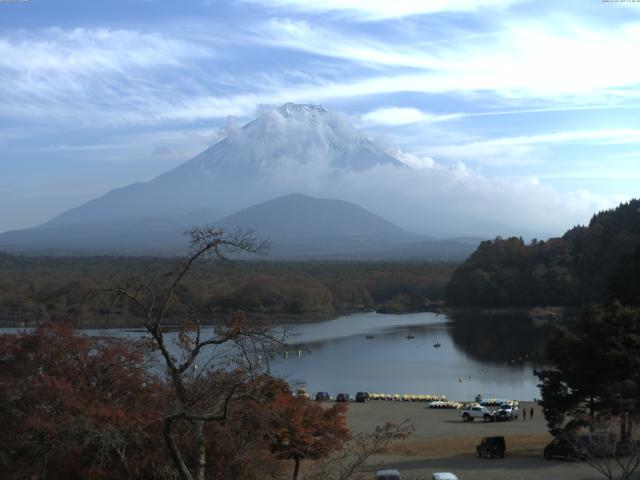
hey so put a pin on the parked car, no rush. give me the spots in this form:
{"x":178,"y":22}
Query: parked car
{"x":362,"y":397}
{"x":302,"y":393}
{"x":343,"y":397}
{"x":507,"y":411}
{"x":388,"y":474}
{"x":443,"y":476}
{"x":563,"y":449}
{"x":471,"y":412}
{"x":491,"y":447}
{"x":323,"y":397}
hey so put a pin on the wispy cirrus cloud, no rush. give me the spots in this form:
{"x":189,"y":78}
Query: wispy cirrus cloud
{"x":375,"y":10}
{"x":519,"y":59}
{"x":394,"y":116}
{"x":527,"y":149}
{"x":84,"y":73}
{"x":131,"y":77}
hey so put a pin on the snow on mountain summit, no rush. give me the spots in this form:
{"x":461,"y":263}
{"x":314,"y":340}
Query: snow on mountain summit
{"x":301,"y":111}
{"x":293,"y":136}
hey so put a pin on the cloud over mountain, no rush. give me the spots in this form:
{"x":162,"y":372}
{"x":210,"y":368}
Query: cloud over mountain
{"x":311,"y":150}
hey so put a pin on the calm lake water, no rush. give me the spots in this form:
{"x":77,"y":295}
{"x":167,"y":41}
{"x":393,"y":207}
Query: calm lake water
{"x":489,"y":355}
{"x":495,"y":360}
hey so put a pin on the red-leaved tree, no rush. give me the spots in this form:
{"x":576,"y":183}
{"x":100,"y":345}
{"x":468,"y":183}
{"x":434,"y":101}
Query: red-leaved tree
{"x":299,"y":429}
{"x":73,"y":406}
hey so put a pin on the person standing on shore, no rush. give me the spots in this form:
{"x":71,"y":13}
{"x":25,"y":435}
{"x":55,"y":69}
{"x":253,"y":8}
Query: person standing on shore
{"x":531,"y":414}
{"x":524,"y":414}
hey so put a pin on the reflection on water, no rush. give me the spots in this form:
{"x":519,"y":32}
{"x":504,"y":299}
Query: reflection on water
{"x":489,"y":355}
{"x":499,"y":338}
{"x":376,"y":353}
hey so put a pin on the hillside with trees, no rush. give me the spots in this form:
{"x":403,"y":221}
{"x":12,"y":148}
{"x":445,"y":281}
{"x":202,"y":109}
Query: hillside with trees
{"x":33,"y":289}
{"x":587,"y":264}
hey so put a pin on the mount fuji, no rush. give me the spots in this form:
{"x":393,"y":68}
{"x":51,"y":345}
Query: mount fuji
{"x":293,"y":148}
{"x":259,"y":161}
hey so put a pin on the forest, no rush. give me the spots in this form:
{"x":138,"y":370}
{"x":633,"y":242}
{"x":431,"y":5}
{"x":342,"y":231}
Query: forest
{"x":587,"y":264}
{"x":98,"y":407}
{"x":43,"y":288}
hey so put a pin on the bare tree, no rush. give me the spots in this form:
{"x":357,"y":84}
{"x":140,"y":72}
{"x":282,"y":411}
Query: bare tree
{"x":598,"y":448}
{"x":203,"y":385}
{"x":353,"y":457}
{"x":613,"y":461}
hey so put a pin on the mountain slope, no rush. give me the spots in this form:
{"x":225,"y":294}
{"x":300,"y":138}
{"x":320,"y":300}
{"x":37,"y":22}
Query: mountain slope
{"x":298,"y":217}
{"x":261,"y":160}
{"x":135,"y":236}
{"x":302,"y":227}
{"x":296,"y":226}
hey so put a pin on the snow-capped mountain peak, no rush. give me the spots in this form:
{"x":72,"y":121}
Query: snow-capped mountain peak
{"x":287,"y":139}
{"x":299,"y":111}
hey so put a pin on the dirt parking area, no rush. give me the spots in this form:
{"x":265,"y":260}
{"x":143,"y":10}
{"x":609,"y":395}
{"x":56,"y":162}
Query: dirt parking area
{"x":443,"y":442}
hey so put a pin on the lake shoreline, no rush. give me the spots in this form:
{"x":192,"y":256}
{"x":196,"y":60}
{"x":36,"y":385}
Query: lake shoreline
{"x":541,"y":314}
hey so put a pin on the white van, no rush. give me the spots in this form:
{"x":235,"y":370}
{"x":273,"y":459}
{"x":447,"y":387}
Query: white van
{"x":388,"y":475}
{"x":443,"y":476}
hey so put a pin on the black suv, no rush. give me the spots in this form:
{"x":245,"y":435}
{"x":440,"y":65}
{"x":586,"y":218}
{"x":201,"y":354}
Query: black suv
{"x":491,"y":447}
{"x":362,"y":397}
{"x":323,"y":397}
{"x":343,"y":397}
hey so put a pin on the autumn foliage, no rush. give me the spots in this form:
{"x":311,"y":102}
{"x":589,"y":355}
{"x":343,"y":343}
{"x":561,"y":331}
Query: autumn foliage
{"x":80,"y":407}
{"x":299,"y":429}
{"x":73,"y":406}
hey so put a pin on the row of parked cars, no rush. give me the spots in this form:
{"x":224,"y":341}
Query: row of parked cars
{"x":361,"y":397}
{"x":505,"y":412}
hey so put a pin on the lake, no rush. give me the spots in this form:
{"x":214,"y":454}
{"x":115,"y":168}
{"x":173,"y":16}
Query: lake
{"x":495,"y":359}
{"x":491,"y":355}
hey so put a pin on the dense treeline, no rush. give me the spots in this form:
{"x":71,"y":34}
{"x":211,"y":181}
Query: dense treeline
{"x":37,"y":288}
{"x":587,"y":264}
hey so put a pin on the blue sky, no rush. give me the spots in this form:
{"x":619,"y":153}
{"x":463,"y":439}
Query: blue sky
{"x":97,"y":95}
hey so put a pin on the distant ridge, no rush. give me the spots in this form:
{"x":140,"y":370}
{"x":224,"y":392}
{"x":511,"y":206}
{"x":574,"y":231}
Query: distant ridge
{"x":297,"y":227}
{"x":297,"y":217}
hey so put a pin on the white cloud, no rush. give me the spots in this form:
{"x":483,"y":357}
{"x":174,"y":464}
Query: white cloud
{"x":399,"y":116}
{"x":550,"y":58}
{"x":458,"y":200}
{"x":302,"y":36}
{"x":526,"y":149}
{"x":89,"y":74}
{"x":414,"y":161}
{"x":373,"y":10}
{"x":130,"y":77}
